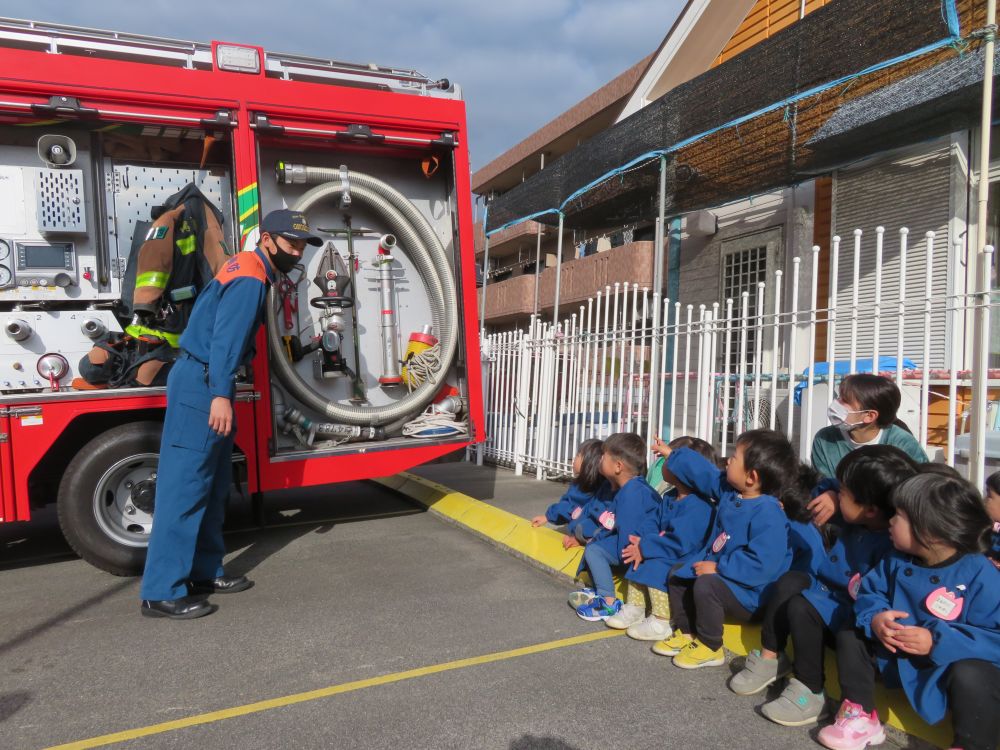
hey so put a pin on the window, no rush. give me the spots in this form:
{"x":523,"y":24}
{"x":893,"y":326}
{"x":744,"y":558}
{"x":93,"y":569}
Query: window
{"x":746,"y":262}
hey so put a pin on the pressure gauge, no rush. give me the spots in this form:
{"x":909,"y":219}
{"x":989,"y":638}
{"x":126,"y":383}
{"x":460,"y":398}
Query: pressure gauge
{"x":5,"y":277}
{"x":4,"y":250}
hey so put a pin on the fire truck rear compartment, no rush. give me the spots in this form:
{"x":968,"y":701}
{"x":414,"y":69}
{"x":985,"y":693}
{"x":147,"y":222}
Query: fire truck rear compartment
{"x":62,"y":273}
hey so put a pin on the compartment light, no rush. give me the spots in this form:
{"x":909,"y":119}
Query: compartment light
{"x":239,"y":59}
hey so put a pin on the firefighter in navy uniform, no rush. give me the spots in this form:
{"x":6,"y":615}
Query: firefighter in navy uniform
{"x":186,"y":548}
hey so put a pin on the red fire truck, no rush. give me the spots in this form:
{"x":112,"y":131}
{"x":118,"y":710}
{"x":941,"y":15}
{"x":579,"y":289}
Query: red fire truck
{"x":368,"y":362}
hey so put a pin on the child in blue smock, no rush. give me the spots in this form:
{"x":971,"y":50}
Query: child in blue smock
{"x":747,"y":550}
{"x":633,"y":512}
{"x":993,"y":509}
{"x":584,"y":501}
{"x":685,"y":520}
{"x":930,"y":614}
{"x":811,"y":609}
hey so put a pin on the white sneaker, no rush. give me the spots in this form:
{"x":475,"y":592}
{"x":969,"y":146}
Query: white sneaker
{"x":628,"y":615}
{"x":650,"y":629}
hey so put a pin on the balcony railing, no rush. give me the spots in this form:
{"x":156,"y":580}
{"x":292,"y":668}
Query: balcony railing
{"x":499,"y":242}
{"x":581,"y":279}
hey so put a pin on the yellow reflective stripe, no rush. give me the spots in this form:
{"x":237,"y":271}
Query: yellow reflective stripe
{"x":156,"y":279}
{"x":248,"y":212}
{"x":247,"y":189}
{"x":171,"y":338}
{"x":186,"y":244}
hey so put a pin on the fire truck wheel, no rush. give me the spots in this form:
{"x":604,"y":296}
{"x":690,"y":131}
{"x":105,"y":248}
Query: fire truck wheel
{"x":105,"y":498}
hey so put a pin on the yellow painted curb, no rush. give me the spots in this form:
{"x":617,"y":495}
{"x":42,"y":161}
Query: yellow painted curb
{"x":544,"y":547}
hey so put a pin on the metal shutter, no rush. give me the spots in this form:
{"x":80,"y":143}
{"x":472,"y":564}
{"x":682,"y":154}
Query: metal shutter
{"x":910,"y":192}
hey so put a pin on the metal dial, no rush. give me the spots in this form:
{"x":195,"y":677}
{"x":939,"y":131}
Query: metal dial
{"x":5,"y":276}
{"x":4,"y":250}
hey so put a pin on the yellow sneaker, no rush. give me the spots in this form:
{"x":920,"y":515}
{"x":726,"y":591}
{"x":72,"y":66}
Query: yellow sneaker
{"x":696,"y":655}
{"x":673,"y":645}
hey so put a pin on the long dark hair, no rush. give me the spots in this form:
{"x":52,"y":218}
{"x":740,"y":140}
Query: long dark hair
{"x":874,"y":393}
{"x":796,"y":494}
{"x":871,"y":472}
{"x":944,"y":509}
{"x":589,"y":478}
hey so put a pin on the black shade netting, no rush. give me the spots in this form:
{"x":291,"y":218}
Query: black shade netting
{"x":841,"y":39}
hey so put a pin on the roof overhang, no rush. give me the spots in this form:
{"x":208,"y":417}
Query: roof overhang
{"x":699,"y":34}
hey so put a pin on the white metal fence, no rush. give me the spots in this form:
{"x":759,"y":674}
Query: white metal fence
{"x":630,"y":361}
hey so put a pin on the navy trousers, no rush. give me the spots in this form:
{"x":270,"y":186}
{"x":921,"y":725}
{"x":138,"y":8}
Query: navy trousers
{"x":192,"y":484}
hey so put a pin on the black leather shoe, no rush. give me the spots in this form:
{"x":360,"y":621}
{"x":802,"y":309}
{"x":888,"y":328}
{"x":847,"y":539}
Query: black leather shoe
{"x":185,"y":608}
{"x":221,"y":585}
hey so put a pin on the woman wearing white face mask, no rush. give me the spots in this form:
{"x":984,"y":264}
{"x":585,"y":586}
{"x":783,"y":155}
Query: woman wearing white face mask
{"x":863,"y":414}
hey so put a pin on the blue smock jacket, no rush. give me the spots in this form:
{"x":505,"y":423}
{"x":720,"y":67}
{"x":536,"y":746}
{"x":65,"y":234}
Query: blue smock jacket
{"x":684,"y":526}
{"x":855,"y":552}
{"x":958,"y":601}
{"x":749,"y":540}
{"x":237,"y":294}
{"x":633,"y":511}
{"x":577,"y":508}
{"x":806,"y":542}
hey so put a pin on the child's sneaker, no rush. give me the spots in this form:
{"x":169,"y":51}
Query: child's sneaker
{"x":696,"y":655}
{"x":598,"y":609}
{"x":672,"y":645}
{"x":628,"y":615}
{"x":796,"y":706}
{"x":650,"y":629}
{"x":758,"y":673}
{"x":853,"y":729}
{"x":578,"y":598}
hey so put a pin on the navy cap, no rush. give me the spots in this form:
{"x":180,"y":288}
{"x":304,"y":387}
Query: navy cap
{"x":289,"y":224}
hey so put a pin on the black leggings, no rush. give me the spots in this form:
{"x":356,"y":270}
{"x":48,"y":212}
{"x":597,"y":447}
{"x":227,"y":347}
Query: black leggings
{"x":774,"y":629}
{"x":856,"y":668}
{"x":973,"y":688}
{"x":810,"y":635}
{"x":701,"y":607}
{"x":974,"y":700}
{"x":789,"y":614}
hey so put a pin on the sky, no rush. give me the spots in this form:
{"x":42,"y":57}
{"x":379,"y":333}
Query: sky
{"x":520,"y":62}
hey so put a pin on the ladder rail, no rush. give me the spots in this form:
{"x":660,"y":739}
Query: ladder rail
{"x":55,"y":37}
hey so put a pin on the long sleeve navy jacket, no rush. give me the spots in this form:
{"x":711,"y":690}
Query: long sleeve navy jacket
{"x":227,"y":314}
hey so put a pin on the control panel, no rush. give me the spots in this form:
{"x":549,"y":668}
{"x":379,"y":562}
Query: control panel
{"x":33,"y":264}
{"x":49,"y":248}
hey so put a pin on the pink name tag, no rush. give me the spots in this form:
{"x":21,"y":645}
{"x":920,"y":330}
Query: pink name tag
{"x":720,"y":542}
{"x":944,"y":604}
{"x":853,"y":585}
{"x":607,"y":520}
{"x":576,"y":512}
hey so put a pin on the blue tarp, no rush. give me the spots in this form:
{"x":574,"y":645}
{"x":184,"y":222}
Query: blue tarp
{"x":843,"y":368}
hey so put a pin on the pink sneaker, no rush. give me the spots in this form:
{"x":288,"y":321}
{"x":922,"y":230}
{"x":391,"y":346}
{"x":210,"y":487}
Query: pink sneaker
{"x":853,"y":729}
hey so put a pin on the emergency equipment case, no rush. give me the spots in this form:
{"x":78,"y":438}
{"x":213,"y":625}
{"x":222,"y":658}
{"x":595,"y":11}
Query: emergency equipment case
{"x":369,"y":361}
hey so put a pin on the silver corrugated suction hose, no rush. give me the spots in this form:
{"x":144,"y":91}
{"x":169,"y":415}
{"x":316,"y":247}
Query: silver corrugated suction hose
{"x":419,"y":242}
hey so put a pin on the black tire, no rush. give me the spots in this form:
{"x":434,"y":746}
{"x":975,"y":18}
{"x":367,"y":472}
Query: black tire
{"x":90,"y":510}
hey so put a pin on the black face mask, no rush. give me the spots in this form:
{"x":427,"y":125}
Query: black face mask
{"x":282,"y":260}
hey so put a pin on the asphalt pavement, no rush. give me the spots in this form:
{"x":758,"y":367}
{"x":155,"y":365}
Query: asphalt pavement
{"x":356,"y":594}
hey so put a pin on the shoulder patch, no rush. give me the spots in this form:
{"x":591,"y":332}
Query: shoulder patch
{"x":242,"y":265}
